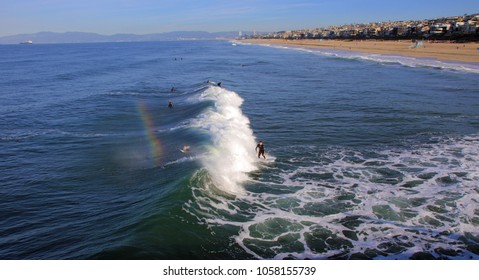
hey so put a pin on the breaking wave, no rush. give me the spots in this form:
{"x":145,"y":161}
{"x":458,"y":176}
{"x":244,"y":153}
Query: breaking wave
{"x":390,"y":59}
{"x":230,"y":156}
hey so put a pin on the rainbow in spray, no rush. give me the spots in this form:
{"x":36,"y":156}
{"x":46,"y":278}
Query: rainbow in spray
{"x":154,"y":142}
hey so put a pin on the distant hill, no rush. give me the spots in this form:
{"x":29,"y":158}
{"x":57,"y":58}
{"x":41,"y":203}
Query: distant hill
{"x":84,"y":37}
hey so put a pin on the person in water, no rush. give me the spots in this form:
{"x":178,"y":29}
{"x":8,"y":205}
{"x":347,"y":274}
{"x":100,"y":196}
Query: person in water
{"x":260,"y":149}
{"x":219,"y":84}
{"x":170,"y":104}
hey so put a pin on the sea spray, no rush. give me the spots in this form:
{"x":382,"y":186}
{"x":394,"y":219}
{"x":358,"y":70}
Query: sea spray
{"x":231,"y":154}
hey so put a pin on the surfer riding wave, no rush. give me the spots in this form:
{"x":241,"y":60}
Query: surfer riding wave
{"x":260,"y":149}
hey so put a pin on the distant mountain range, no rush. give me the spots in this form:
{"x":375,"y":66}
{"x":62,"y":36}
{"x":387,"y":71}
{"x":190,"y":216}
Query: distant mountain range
{"x":84,"y":37}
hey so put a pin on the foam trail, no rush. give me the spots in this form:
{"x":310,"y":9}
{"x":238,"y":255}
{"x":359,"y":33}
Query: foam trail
{"x":232,"y":154}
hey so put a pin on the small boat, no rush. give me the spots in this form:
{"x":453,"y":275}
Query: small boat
{"x":29,"y":42}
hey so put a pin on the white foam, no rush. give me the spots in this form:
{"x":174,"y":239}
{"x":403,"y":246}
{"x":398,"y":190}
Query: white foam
{"x":22,"y":134}
{"x":425,"y":217}
{"x":231,"y":154}
{"x":183,"y":160}
{"x":390,"y":59}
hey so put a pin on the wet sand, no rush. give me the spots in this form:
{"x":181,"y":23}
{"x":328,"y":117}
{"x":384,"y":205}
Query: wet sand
{"x":467,"y":52}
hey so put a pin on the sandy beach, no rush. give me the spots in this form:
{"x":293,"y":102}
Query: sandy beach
{"x":467,"y":52}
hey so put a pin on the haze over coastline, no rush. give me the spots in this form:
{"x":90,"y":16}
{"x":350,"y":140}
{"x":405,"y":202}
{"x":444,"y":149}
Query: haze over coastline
{"x":151,"y":17}
{"x":84,"y":37}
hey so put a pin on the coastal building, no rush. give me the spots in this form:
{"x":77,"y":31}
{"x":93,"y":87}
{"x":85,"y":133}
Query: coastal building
{"x":462,"y":27}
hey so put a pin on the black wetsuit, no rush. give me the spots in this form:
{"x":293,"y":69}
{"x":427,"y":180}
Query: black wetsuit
{"x":261,"y":150}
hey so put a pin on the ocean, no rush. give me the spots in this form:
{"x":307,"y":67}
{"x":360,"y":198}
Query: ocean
{"x":367,"y":156}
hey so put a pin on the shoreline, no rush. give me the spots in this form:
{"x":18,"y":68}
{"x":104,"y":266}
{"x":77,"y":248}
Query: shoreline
{"x":457,"y":52}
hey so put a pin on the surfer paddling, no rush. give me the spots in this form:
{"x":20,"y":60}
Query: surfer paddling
{"x":260,"y":149}
{"x":218,"y":84}
{"x":185,"y":149}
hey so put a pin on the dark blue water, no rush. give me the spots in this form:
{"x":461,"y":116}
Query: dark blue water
{"x":368,"y":156}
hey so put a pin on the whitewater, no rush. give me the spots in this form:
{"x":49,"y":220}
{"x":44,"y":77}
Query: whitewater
{"x":230,"y":155}
{"x":367,"y":157}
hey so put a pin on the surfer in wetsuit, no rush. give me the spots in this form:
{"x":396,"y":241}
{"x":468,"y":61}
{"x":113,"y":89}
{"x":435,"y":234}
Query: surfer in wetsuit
{"x":170,"y":104}
{"x":260,"y":149}
{"x":219,"y":84}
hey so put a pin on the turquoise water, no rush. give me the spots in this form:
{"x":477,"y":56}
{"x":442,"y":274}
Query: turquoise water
{"x":368,"y":156}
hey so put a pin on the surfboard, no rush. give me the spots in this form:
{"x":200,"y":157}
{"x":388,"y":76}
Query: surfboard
{"x":269,"y":159}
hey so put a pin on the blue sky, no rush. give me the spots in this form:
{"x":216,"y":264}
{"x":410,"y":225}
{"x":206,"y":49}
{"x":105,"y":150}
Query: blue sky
{"x":156,"y":16}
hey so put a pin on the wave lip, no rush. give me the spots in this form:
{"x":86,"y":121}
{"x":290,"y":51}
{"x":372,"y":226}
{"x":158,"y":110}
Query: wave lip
{"x":231,"y":154}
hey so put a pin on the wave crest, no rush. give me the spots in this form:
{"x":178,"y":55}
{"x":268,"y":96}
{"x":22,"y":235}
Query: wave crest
{"x":231,"y":154}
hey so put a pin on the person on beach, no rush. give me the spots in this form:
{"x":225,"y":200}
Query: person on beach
{"x":170,"y":104}
{"x":260,"y":149}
